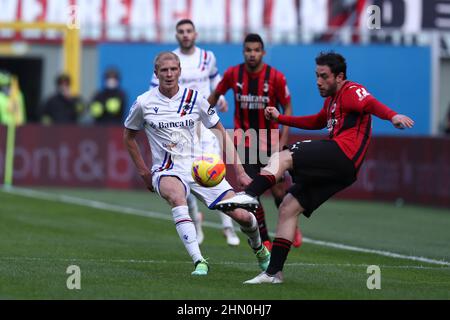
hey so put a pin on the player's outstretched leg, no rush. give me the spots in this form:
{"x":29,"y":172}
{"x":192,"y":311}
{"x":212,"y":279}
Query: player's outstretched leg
{"x":262,"y":225}
{"x":278,"y":163}
{"x":278,"y":192}
{"x":172,"y":190}
{"x":249,"y":226}
{"x":197,"y":217}
{"x":228,"y":230}
{"x":288,"y":217}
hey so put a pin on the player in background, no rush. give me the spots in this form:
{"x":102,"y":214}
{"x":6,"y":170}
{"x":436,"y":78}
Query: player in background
{"x":257,"y":85}
{"x":319,"y":168}
{"x":199,"y":72}
{"x":170,"y":115}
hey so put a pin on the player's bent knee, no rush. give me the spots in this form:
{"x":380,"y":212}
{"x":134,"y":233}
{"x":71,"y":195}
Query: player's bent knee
{"x":174,"y":197}
{"x":286,"y":159}
{"x":289,"y":207}
{"x":279,"y":162}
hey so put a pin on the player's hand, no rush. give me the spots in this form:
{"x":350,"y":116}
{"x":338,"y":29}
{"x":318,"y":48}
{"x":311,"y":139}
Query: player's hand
{"x":147,"y":177}
{"x":271,"y":113}
{"x":222,"y":104}
{"x":243,"y":180}
{"x":401,"y":121}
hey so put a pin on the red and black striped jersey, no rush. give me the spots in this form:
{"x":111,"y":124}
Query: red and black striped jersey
{"x":347,"y":116}
{"x":253,"y":92}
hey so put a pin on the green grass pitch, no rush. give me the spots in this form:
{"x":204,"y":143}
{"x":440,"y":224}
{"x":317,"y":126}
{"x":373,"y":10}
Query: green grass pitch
{"x":124,"y":254}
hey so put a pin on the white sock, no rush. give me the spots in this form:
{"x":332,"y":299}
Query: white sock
{"x":252,"y":233}
{"x":186,"y":231}
{"x":193,"y":208}
{"x":227,"y":222}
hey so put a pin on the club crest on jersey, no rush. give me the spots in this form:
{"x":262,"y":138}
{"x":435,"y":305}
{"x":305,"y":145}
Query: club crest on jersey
{"x":185,"y":109}
{"x":333,"y":108}
{"x":331,"y":123}
{"x":187,"y":102}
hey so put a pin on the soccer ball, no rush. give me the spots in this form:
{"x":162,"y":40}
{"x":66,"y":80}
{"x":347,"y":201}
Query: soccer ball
{"x":208,"y":170}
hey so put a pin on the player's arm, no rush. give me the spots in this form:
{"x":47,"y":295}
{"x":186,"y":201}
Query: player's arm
{"x":213,"y":98}
{"x":287,"y":111}
{"x":220,"y":89}
{"x":382,"y":111}
{"x":129,"y":139}
{"x":360,"y":100}
{"x":214,"y":80}
{"x":283,"y":96}
{"x":231,"y":154}
{"x":313,"y":122}
{"x":217,"y":99}
{"x":133,"y":124}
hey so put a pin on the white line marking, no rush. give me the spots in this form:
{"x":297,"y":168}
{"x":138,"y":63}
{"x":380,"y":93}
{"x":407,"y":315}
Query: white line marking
{"x":159,"y":215}
{"x":223,"y":263}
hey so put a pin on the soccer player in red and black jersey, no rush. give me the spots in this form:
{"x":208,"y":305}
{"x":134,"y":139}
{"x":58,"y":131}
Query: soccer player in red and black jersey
{"x":257,"y":85}
{"x":319,"y":168}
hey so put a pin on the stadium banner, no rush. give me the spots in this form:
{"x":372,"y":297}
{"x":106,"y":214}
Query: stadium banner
{"x":227,"y":20}
{"x":405,"y":170}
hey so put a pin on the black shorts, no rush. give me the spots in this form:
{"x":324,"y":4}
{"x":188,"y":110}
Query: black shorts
{"x":320,"y":169}
{"x":251,"y":168}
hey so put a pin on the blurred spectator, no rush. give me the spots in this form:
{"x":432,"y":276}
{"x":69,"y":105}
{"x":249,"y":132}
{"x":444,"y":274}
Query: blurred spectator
{"x":447,"y":122}
{"x":62,"y":107}
{"x":12,"y":107}
{"x":108,"y":105}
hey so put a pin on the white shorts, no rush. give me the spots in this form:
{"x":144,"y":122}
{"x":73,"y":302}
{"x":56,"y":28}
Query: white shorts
{"x":209,"y":196}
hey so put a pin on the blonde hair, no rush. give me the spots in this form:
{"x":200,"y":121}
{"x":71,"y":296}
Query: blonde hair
{"x":165,"y":55}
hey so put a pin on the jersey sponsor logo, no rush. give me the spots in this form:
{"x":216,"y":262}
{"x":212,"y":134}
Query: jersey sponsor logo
{"x":176,"y":124}
{"x":156,"y":109}
{"x":239,"y":85}
{"x":189,"y":81}
{"x":266,"y":87}
{"x":248,"y":101}
{"x":211,"y":110}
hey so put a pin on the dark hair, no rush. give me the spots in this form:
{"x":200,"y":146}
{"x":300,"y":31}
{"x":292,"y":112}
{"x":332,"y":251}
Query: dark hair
{"x":334,"y":60}
{"x":62,"y":79}
{"x":254,"y":37}
{"x":112,"y":73}
{"x":185,"y":21}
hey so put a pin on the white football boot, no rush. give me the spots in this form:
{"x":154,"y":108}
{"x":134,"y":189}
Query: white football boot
{"x":263,"y":277}
{"x":240,"y":200}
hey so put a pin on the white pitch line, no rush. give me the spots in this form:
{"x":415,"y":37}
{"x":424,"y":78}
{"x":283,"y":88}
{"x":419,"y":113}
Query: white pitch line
{"x":158,"y":215}
{"x":223,"y":263}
